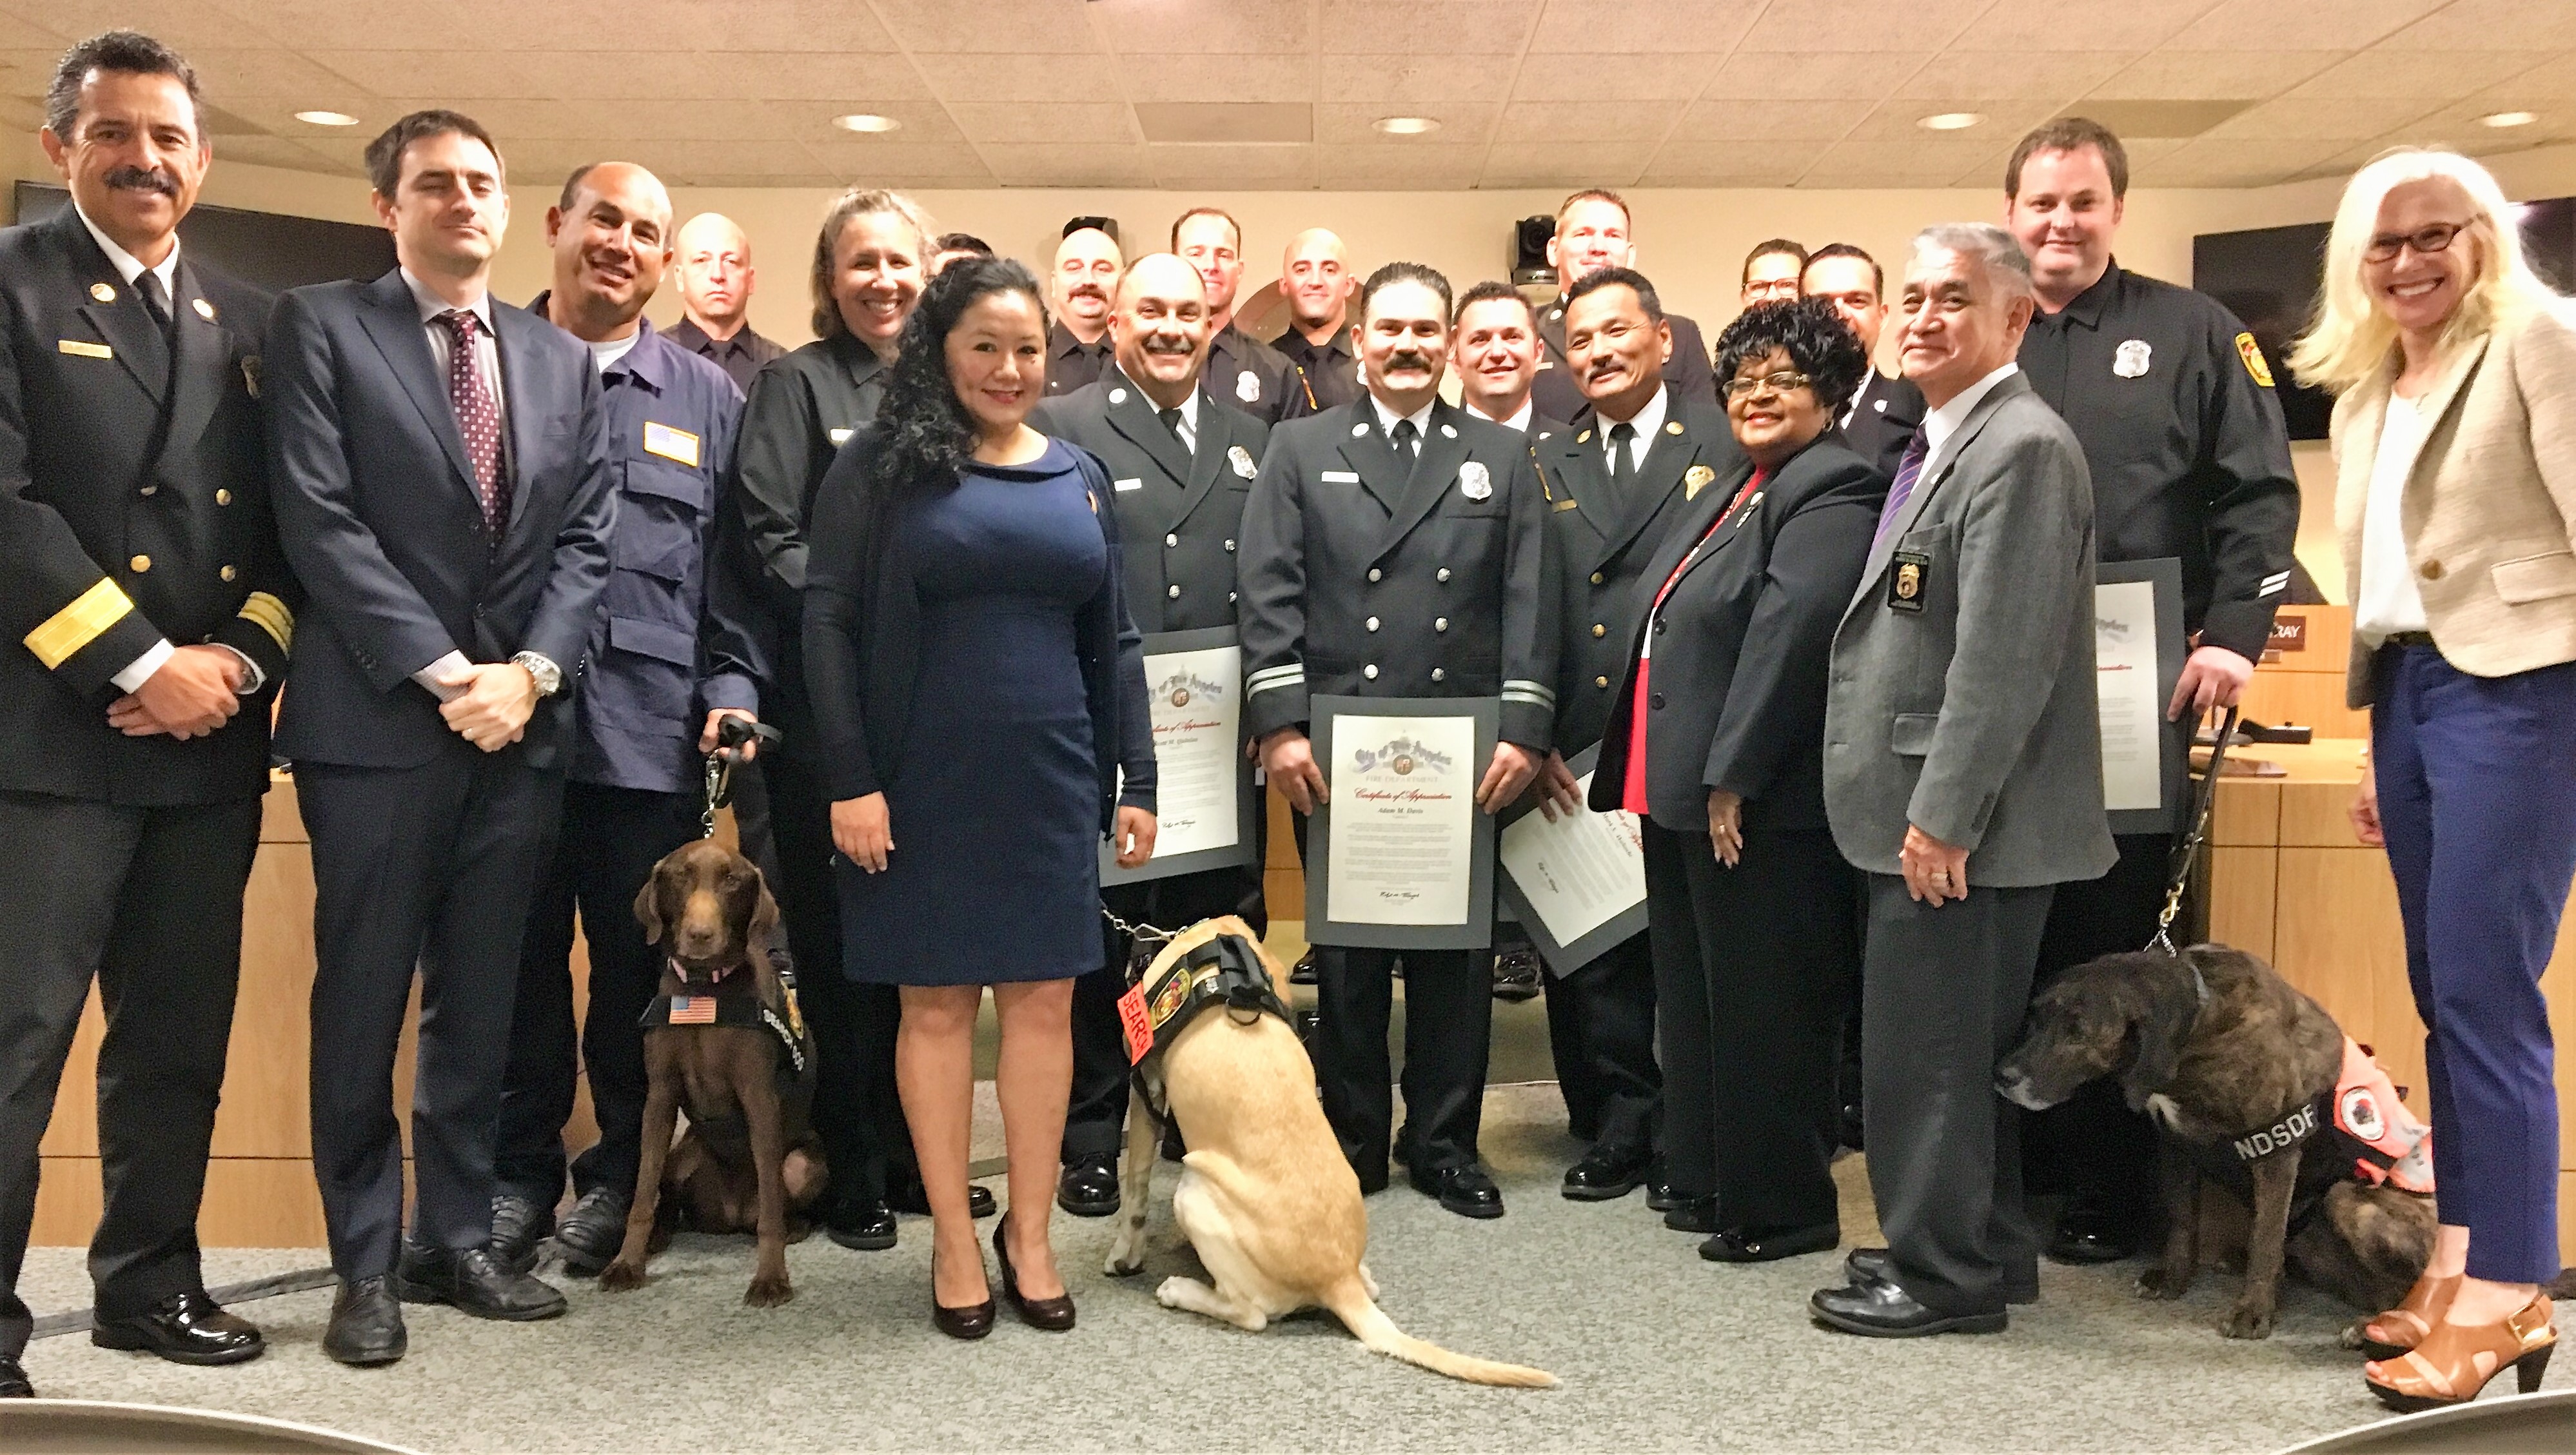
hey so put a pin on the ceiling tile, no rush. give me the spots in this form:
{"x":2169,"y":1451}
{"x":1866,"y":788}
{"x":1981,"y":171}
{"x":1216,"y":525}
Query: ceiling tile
{"x":1236,"y":166}
{"x":987,"y":25}
{"x":184,"y":24}
{"x":1641,"y":26}
{"x":2171,"y":75}
{"x":1384,"y":167}
{"x":2476,"y":25}
{"x":1637,"y":78}
{"x":1161,"y":77}
{"x":1861,"y":25}
{"x":1242,"y":123}
{"x":22,"y":32}
{"x":845,"y":27}
{"x":1053,"y":164}
{"x":1896,"y":119}
{"x":274,"y":151}
{"x":1097,"y":123}
{"x":1461,"y":124}
{"x":1028,"y":78}
{"x":2310,"y":118}
{"x":1397,"y":83}
{"x":742,"y":75}
{"x":905,"y":164}
{"x":1582,"y":121}
{"x":1563,"y":164}
{"x":2318,"y":25}
{"x":461,"y":77}
{"x":1438,"y":27}
{"x":2234,"y":162}
{"x":677,"y":160}
{"x":1238,"y":27}
{"x":1732,"y":120}
{"x":1762,"y":80}
{"x":26,"y":72}
{"x":2395,"y":71}
{"x":2050,"y":25}
{"x":1730,"y":164}
{"x":230,"y":76}
{"x":2023,"y":75}
{"x":1930,"y":161}
{"x":2549,"y":88}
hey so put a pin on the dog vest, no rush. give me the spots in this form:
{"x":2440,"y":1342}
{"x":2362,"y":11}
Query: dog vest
{"x":747,"y":1012}
{"x":2369,"y":1137}
{"x":1224,"y":971}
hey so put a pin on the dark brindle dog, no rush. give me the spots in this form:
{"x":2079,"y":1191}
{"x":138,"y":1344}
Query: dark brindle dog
{"x":2232,"y":1062}
{"x":725,"y":1042}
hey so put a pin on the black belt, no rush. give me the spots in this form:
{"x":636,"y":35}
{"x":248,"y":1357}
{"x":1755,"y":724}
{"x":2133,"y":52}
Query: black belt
{"x":2407,"y":639}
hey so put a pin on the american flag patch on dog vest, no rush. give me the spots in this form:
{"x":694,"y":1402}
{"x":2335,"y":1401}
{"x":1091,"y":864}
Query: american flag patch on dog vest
{"x":693,"y":1010}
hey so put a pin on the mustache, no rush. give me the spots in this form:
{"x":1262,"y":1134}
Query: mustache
{"x":143,"y":179}
{"x":1087,"y":290}
{"x":1166,"y":343}
{"x":1408,"y":359}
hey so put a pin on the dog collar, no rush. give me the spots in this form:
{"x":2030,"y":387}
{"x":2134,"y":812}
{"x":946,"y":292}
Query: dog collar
{"x":714,"y":977}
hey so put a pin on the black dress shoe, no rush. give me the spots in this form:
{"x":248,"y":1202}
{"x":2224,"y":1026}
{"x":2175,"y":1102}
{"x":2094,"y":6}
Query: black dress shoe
{"x":1693,"y":1215}
{"x":1661,"y":1195}
{"x":473,"y":1282}
{"x":1303,"y":972}
{"x":1517,"y":975}
{"x":1882,"y":1309}
{"x":14,"y":1383}
{"x":519,"y":1226}
{"x":590,"y":1235}
{"x":864,"y":1223}
{"x":1745,"y":1245}
{"x":1054,"y":1315}
{"x":185,"y":1328}
{"x":911,"y":1197}
{"x":1606,"y":1173}
{"x":366,"y":1323}
{"x":1089,"y":1188}
{"x":2089,"y":1230}
{"x":1466,"y":1191}
{"x":1872,"y":1264}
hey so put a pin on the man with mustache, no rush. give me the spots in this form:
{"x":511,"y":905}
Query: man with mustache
{"x":1181,"y":464}
{"x":1315,"y":274}
{"x":1397,"y":547}
{"x":149,"y":615}
{"x":1592,"y":233}
{"x":1617,"y":485}
{"x":1255,"y":377}
{"x":670,"y":658}
{"x":1086,"y":267}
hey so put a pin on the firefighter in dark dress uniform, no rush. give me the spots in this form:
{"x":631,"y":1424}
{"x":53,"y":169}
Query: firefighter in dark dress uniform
{"x":2172,"y":401}
{"x":149,"y":611}
{"x":1241,"y":370}
{"x":1181,"y":465}
{"x":1398,"y":547}
{"x":1592,"y":233}
{"x":1614,"y":486}
{"x":1087,"y":265}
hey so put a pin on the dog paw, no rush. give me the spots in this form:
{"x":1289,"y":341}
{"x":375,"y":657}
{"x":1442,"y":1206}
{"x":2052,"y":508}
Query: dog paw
{"x":2246,"y":1323}
{"x":2154,"y":1284}
{"x":768,"y":1292}
{"x":621,"y":1276}
{"x":1120,"y":1264}
{"x":1169,"y":1294}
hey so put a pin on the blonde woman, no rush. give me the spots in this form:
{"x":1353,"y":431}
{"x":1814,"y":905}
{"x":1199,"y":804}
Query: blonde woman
{"x":2455,"y":452}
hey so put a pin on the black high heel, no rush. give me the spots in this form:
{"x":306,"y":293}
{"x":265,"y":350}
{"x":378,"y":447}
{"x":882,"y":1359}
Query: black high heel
{"x":1055,"y":1315}
{"x":973,"y":1321}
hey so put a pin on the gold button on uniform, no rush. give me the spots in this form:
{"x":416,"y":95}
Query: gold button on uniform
{"x":1596,"y":578}
{"x":1599,"y":630}
{"x":150,"y":490}
{"x":1601,"y":682}
{"x":1375,"y":573}
{"x":140,"y":563}
{"x":228,"y":573}
{"x":223,"y":497}
{"x":1443,"y":575}
{"x":2432,"y":570}
{"x":1440,"y":624}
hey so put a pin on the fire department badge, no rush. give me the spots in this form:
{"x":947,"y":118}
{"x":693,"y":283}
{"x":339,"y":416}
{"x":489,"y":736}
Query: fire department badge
{"x":2131,"y":361}
{"x":1475,"y":482}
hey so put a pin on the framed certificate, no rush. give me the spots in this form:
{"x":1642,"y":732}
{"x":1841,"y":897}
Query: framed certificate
{"x":1207,"y":814}
{"x":2138,"y":654}
{"x":1399,"y":856}
{"x":1577,"y":884}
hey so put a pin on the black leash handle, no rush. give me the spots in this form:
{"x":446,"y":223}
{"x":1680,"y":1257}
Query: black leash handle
{"x":731,"y":734}
{"x":2196,"y":833}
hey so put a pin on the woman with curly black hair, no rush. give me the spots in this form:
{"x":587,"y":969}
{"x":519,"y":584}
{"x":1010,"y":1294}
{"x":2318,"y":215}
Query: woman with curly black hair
{"x":1717,"y":744}
{"x":974,"y":680}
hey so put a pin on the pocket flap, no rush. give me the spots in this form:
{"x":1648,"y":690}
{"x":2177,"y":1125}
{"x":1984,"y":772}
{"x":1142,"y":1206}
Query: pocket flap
{"x":2535,"y":578}
{"x":653,"y":639}
{"x":671,"y":482}
{"x":1911,"y":733}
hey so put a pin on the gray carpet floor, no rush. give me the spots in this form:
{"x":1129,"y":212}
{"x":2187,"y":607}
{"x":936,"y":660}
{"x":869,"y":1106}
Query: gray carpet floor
{"x":1657,"y":1349}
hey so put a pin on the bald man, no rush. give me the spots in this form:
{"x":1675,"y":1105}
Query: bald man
{"x":676,"y":659}
{"x":1315,"y":274}
{"x":1087,"y":265}
{"x":714,"y":260}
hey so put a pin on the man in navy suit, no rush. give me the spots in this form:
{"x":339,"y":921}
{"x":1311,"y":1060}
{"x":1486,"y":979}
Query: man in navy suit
{"x":444,"y":491}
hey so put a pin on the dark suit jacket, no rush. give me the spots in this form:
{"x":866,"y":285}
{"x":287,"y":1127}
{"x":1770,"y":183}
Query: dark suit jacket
{"x":134,"y":507}
{"x":376,"y":503}
{"x":1743,"y":642}
{"x":1891,"y":410}
{"x":1557,"y":394}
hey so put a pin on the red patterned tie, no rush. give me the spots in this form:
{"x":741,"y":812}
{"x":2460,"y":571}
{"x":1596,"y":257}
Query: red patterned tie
{"x":476,"y":417}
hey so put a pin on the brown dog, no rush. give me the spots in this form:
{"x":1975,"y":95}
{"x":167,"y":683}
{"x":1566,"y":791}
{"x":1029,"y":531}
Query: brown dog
{"x":750,"y":1159}
{"x":2224,"y":1054}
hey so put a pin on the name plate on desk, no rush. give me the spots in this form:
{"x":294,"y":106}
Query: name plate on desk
{"x":2137,"y":659}
{"x":1399,"y":856}
{"x":1576,"y":883}
{"x":1206,"y":813}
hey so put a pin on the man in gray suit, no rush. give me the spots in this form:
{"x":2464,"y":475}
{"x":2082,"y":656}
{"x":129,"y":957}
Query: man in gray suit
{"x":1963,"y":775}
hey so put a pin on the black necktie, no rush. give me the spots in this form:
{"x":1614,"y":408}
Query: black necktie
{"x":155,"y":298}
{"x":1404,"y":436}
{"x":1623,"y":461}
{"x":1171,"y":419}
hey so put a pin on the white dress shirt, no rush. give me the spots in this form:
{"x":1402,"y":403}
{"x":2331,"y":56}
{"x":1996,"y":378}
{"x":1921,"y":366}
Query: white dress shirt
{"x":1522,"y":419}
{"x":1189,"y":430}
{"x":2389,"y":601}
{"x":1941,"y":425}
{"x":1648,"y":421}
{"x":1387,"y":419}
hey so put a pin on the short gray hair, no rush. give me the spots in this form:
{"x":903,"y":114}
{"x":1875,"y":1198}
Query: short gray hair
{"x":1985,"y":244}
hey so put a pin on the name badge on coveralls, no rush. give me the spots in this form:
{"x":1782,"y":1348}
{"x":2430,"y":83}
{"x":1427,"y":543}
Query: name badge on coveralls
{"x":1906,"y":575}
{"x":1475,"y":482}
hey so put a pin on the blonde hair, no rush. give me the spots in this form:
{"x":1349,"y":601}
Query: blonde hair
{"x":851,"y":205}
{"x":2350,"y":340}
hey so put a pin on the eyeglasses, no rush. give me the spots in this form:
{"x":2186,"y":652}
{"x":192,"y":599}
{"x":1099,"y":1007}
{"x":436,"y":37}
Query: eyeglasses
{"x":2426,"y":240}
{"x":1779,"y":383}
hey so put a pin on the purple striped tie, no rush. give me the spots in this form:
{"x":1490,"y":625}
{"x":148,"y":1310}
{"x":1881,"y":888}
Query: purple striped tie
{"x":1908,"y":471}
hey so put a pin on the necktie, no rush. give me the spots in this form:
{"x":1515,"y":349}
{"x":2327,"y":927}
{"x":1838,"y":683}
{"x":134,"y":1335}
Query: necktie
{"x":1179,"y":427}
{"x":156,"y":298}
{"x":1405,"y":437}
{"x":476,"y":419}
{"x":1907,"y":472}
{"x":1623,"y":461}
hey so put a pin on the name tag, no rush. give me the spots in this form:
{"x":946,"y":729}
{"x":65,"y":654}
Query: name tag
{"x":671,"y":444}
{"x":1341,"y":477}
{"x":1130,"y":484}
{"x":839,"y":436}
{"x":84,"y":349}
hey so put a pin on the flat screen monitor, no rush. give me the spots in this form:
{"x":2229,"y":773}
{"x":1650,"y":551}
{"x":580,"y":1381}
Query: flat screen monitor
{"x":267,"y":250}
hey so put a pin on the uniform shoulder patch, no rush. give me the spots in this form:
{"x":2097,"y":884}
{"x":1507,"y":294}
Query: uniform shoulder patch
{"x":2252,"y":353}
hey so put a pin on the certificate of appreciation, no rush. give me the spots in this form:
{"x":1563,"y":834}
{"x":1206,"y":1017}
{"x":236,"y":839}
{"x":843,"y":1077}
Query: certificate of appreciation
{"x":1577,"y":884}
{"x":1206,"y":816}
{"x":2137,"y":659}
{"x":1400,"y":856}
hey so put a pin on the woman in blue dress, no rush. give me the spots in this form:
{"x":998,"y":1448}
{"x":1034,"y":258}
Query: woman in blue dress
{"x":976,"y":686}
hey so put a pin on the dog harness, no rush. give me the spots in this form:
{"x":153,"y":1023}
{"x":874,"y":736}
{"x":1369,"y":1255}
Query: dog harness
{"x":1224,"y":971}
{"x":747,"y":1012}
{"x":2369,"y":1137}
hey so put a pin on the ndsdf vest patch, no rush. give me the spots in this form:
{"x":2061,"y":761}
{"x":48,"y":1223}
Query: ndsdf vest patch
{"x":1225,"y":971}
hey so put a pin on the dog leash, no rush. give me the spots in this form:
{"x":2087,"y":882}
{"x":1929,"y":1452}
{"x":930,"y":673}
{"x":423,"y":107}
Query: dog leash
{"x":731,"y":734}
{"x":2178,"y":870}
{"x":1144,"y":938}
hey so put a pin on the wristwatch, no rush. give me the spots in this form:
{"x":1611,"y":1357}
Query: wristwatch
{"x":549,"y":677}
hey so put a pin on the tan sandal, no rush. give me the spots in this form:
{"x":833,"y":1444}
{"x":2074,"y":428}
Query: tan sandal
{"x":2455,"y":1362}
{"x":2411,"y":1322}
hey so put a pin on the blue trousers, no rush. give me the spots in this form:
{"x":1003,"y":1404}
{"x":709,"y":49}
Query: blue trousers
{"x":2477,"y":796}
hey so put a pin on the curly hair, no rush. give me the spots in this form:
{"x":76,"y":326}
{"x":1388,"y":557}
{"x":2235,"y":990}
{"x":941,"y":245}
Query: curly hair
{"x":1819,"y":345}
{"x":927,"y":436}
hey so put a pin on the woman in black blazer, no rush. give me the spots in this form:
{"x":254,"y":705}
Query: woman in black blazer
{"x":1716,"y":742}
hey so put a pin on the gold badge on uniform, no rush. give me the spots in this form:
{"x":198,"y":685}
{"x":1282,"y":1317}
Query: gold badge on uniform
{"x":250,"y":374}
{"x":2252,"y":353}
{"x":1696,"y":480}
{"x":204,"y":309}
{"x":1905,"y":582}
{"x":102,"y":292}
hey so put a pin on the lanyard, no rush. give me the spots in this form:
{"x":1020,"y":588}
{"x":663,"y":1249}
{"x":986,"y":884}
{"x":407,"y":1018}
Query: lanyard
{"x":1646,"y":650}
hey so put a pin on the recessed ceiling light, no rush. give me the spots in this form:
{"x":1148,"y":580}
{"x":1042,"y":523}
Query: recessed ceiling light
{"x":867,"y":121}
{"x":327,"y":118}
{"x":1950,"y":120}
{"x":2509,"y":118}
{"x":1406,"y":125}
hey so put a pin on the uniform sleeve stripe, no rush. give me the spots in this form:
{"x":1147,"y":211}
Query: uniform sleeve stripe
{"x":1533,"y":692}
{"x":79,"y":624}
{"x":270,"y":615}
{"x":2277,"y":578}
{"x":1292,"y":675}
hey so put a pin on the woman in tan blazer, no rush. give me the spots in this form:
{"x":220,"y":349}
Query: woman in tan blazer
{"x":2455,"y":456}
